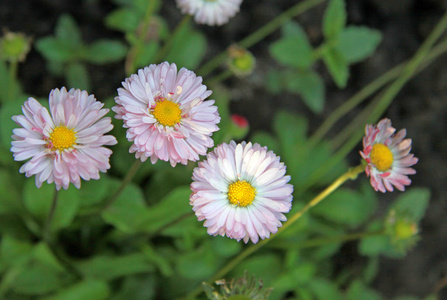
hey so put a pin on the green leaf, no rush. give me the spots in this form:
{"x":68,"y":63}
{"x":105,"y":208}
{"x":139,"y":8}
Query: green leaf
{"x":137,"y":287}
{"x":38,"y":202}
{"x":288,"y":281}
{"x":56,"y":50}
{"x":68,"y":31}
{"x":377,"y":244}
{"x":293,"y":51}
{"x":29,"y":279}
{"x":198,"y":264}
{"x":334,"y":19}
{"x":105,"y":51}
{"x":347,"y":207}
{"x":414,"y":202}
{"x":128,"y":209}
{"x":9,"y":194}
{"x":337,"y":66}
{"x":13,"y":250}
{"x":265,"y":139}
{"x":85,"y":290}
{"x":310,"y":85}
{"x":358,"y":290}
{"x":123,"y":19}
{"x":324,"y":289}
{"x":274,"y":82}
{"x":146,"y":54}
{"x":8,"y":110}
{"x":77,"y":76}
{"x":162,"y":213}
{"x":188,"y":48}
{"x":106,"y":267}
{"x":265,"y":266}
{"x":94,"y":191}
{"x":357,"y":43}
{"x":225,"y":247}
{"x":9,"y":89}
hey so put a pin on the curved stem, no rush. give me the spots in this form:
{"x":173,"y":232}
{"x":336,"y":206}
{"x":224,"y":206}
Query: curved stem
{"x":47,"y":228}
{"x":370,"y":89}
{"x":372,"y":113}
{"x":168,"y":45}
{"x":261,"y":33}
{"x":350,"y":174}
{"x":129,"y":176}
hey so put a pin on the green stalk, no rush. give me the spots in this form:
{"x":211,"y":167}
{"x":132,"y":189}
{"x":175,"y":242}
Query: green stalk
{"x":373,"y":113}
{"x":129,"y":176}
{"x":370,"y":89}
{"x":261,"y":33}
{"x":168,"y":45}
{"x":350,"y":136}
{"x":350,"y":174}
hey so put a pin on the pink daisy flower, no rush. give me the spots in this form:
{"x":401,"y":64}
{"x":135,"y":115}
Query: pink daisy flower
{"x":166,"y":115}
{"x":67,"y":144}
{"x":387,"y":156}
{"x":210,"y":12}
{"x":241,"y":191}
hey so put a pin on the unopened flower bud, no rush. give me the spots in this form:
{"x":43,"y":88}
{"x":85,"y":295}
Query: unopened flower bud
{"x":14,"y":46}
{"x":240,"y":61}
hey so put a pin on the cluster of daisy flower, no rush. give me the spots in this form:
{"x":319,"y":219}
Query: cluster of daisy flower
{"x":239,"y":190}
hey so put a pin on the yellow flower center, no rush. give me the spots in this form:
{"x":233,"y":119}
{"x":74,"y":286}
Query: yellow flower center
{"x":167,"y":113}
{"x":381,"y":157}
{"x":241,"y":193}
{"x":62,"y":138}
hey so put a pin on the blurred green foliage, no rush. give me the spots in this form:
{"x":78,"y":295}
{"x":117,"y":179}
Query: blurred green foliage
{"x":148,"y":244}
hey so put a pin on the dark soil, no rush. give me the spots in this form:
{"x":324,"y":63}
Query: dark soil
{"x":421,"y":106}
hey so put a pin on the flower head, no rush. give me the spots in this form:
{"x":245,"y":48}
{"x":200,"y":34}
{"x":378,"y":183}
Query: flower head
{"x":65,"y":144}
{"x":210,"y":12}
{"x":387,"y":156}
{"x":241,"y":191}
{"x":166,"y":115}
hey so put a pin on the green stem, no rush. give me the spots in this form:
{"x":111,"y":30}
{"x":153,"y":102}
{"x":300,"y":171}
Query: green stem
{"x":350,"y":136}
{"x":326,"y":240}
{"x":127,"y":179}
{"x":47,"y":228}
{"x":371,"y":114}
{"x":350,"y":174}
{"x":219,"y":77}
{"x":129,"y":176}
{"x":368,"y":90}
{"x":261,"y":33}
{"x":136,"y":47}
{"x":168,"y":45}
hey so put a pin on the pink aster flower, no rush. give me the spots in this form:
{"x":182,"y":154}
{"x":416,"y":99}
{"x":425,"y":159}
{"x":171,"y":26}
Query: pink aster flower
{"x":66,"y":144}
{"x":210,"y":12}
{"x":387,"y":156}
{"x":166,"y":115}
{"x":241,"y":191}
